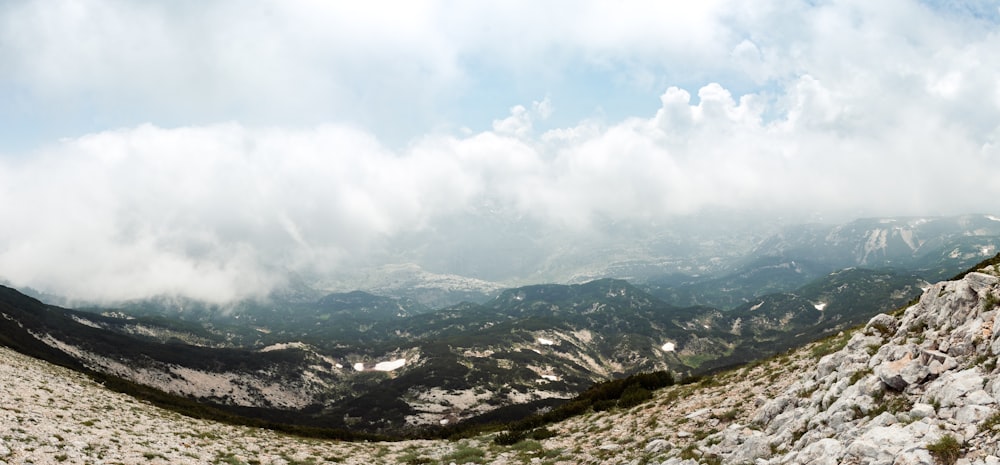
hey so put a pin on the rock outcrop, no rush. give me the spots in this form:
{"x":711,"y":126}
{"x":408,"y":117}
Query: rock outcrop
{"x":918,"y":388}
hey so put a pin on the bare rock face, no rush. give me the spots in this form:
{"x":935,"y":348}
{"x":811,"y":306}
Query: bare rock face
{"x":900,"y":384}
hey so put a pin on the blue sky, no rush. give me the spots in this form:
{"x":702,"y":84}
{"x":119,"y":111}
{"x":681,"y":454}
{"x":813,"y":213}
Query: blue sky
{"x":206,"y":147}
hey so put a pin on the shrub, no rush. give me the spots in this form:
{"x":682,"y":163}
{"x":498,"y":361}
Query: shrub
{"x":542,"y":434}
{"x":508,"y":438}
{"x":859,"y":375}
{"x":634,"y":395}
{"x":992,"y":422}
{"x":946,"y":450}
{"x":990,"y":301}
{"x":728,"y":415}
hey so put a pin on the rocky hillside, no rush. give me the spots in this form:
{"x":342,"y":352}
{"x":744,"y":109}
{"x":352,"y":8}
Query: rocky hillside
{"x":389,"y":366}
{"x":918,"y":387}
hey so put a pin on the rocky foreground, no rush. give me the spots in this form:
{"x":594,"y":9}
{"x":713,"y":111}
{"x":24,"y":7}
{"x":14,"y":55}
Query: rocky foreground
{"x":921,"y":387}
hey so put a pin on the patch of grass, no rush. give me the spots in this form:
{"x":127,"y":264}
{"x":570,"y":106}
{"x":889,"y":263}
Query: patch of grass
{"x":893,"y":403}
{"x":805,"y":393}
{"x":830,"y":344}
{"x":528,"y":447}
{"x":728,"y":415}
{"x":465,"y":454}
{"x":990,"y":423}
{"x":945,"y":450}
{"x":412,"y":458}
{"x":881,"y":328}
{"x":859,"y":375}
{"x":990,"y":301}
{"x":918,"y":326}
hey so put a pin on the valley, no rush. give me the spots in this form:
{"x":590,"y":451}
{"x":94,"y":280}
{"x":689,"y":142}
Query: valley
{"x":918,"y":384}
{"x":392,"y":365}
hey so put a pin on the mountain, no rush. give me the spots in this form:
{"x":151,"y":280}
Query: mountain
{"x":410,"y":281}
{"x":389,"y":365}
{"x":887,"y":242}
{"x":917,"y":386}
{"x":934,"y":248}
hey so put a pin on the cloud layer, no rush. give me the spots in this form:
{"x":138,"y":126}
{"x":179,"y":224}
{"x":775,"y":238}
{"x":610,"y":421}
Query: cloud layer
{"x":841,"y":108}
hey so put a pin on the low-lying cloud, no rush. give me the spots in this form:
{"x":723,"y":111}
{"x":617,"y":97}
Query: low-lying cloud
{"x":844,"y":108}
{"x":222,"y":211}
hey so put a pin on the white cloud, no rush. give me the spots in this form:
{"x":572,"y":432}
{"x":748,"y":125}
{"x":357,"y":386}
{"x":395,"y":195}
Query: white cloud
{"x":845,"y":106}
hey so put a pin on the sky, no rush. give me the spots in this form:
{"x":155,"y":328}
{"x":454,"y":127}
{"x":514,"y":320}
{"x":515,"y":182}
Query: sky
{"x":208,"y":148}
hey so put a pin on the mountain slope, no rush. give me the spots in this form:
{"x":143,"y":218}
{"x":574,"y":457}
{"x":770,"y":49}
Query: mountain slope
{"x":387,"y":365}
{"x":934,"y":248}
{"x":891,"y":392}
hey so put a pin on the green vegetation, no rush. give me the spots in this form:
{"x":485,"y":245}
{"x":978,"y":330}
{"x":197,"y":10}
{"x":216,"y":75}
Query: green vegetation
{"x":830,"y":344}
{"x":945,"y":450}
{"x":859,"y":375}
{"x":631,"y":316}
{"x":990,"y":423}
{"x":508,"y":438}
{"x":989,"y":262}
{"x":414,"y":458}
{"x":991,"y":301}
{"x":628,"y":389}
{"x":465,"y":454}
{"x":892,"y":402}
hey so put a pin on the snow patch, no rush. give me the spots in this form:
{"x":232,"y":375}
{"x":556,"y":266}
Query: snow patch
{"x":550,"y":377}
{"x":668,"y":347}
{"x":389,"y":366}
{"x":359,"y":366}
{"x":820,"y":306}
{"x":546,"y":342}
{"x":993,"y":218}
{"x":755,"y":307}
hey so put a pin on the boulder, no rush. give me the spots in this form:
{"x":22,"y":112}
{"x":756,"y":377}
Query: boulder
{"x":826,"y":451}
{"x":937,"y":362}
{"x":658,"y":445}
{"x":902,"y":372}
{"x":882,"y":324}
{"x":920,"y":410}
{"x":755,"y":447}
{"x":954,"y":385}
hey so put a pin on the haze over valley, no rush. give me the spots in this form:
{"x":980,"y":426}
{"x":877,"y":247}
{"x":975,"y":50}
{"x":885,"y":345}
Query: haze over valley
{"x":522,"y":232}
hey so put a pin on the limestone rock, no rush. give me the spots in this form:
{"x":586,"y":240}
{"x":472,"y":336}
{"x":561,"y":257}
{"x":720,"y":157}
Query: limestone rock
{"x":902,"y":372}
{"x":823,"y":452}
{"x":657,"y":445}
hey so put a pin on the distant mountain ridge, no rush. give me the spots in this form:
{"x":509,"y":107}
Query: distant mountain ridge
{"x":920,"y":385}
{"x":392,"y":365}
{"x":934,"y":248}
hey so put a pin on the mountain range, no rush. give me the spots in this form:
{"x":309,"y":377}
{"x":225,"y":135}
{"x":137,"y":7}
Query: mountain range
{"x":917,"y":385}
{"x":394,"y":365}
